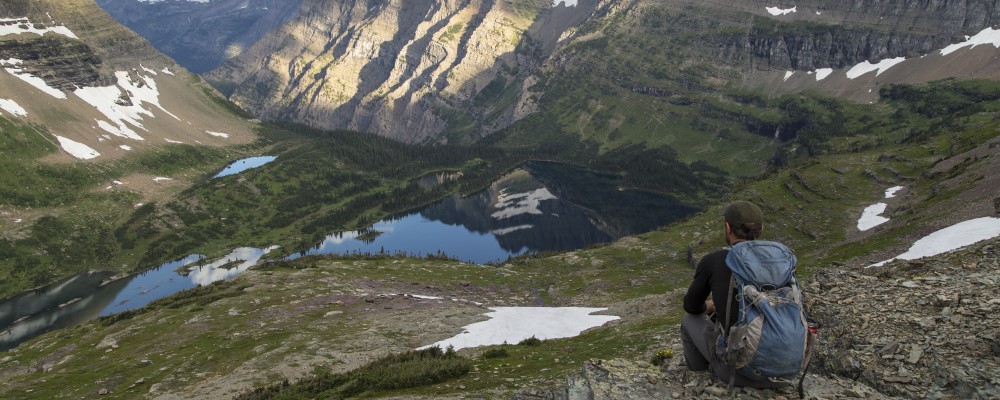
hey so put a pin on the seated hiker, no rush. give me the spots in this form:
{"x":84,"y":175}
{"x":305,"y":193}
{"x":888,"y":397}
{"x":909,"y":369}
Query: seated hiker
{"x":706,"y":319}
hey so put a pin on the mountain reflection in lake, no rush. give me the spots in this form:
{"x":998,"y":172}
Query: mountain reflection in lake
{"x":542,"y":206}
{"x":92,"y":294}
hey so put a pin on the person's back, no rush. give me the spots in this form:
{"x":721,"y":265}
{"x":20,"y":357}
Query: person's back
{"x":763,"y":270}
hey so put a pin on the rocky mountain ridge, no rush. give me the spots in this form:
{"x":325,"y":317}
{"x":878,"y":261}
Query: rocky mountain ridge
{"x":403,"y":69}
{"x":429,"y":72}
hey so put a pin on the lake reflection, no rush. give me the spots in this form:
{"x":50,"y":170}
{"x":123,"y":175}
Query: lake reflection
{"x":540,"y":207}
{"x":92,"y":294}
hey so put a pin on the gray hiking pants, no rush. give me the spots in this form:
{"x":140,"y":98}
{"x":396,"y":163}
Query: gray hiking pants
{"x":699,"y":337}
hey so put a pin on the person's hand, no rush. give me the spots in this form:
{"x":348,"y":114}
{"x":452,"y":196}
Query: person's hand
{"x":709,"y":307}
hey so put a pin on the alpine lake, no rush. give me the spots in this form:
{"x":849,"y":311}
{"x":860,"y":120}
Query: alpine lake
{"x":538,"y":207}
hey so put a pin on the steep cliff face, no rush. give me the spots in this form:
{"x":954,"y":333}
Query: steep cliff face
{"x":405,"y":69}
{"x":840,"y":34}
{"x":427,"y":71}
{"x":201,"y":35}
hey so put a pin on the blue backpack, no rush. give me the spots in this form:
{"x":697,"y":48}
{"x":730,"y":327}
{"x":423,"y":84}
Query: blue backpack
{"x":771,"y":337}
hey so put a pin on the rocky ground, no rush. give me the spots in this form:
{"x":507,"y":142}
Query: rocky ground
{"x":912,"y":329}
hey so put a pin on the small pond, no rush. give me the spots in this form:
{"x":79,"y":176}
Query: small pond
{"x":242,"y":165}
{"x":539,"y":207}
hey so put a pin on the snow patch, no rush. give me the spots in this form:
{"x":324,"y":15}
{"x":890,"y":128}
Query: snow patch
{"x":891,"y":192}
{"x":149,"y":71}
{"x":15,"y":26}
{"x":167,"y":71}
{"x":567,"y":3}
{"x":509,"y":205}
{"x":162,"y":178}
{"x":514,"y":324}
{"x":504,"y":231}
{"x":144,"y":91}
{"x":12,"y":107}
{"x":951,"y":238}
{"x":822,"y":73}
{"x":173,"y":141}
{"x":872,"y":217}
{"x":781,"y":11}
{"x":985,"y":36}
{"x":107,"y":100}
{"x":788,"y":74}
{"x":30,"y":79}
{"x":125,"y":147}
{"x":218,"y":134}
{"x":123,"y":108}
{"x":866,"y":67}
{"x":77,"y":149}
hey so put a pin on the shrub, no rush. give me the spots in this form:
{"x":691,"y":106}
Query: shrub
{"x":532,"y":341}
{"x":395,"y":371}
{"x":495,"y":352}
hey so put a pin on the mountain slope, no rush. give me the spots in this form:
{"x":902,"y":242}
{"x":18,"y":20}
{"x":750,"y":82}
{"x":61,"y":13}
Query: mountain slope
{"x":99,"y":88}
{"x":201,"y":35}
{"x":399,"y":69}
{"x":423,"y":72}
{"x":314,"y":316}
{"x":94,"y":123}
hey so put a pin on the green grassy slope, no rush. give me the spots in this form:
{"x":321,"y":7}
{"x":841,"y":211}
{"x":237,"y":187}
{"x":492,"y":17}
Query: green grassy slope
{"x":319,"y":315}
{"x":59,"y":218}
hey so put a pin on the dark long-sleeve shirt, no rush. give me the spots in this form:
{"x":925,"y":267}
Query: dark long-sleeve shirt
{"x":711,"y":276}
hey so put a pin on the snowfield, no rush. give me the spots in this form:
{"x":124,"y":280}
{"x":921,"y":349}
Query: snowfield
{"x":866,"y":67}
{"x":12,"y":107}
{"x":822,"y":73}
{"x":951,"y":238}
{"x":514,"y":324}
{"x":123,"y":115}
{"x":872,"y":217}
{"x":985,"y":36}
{"x":781,"y":11}
{"x":77,"y":149}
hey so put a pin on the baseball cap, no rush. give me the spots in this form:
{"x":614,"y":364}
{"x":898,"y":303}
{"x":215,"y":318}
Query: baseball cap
{"x":744,"y":213}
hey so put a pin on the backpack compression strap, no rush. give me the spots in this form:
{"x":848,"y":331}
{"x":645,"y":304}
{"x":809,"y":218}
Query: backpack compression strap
{"x":729,"y":309}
